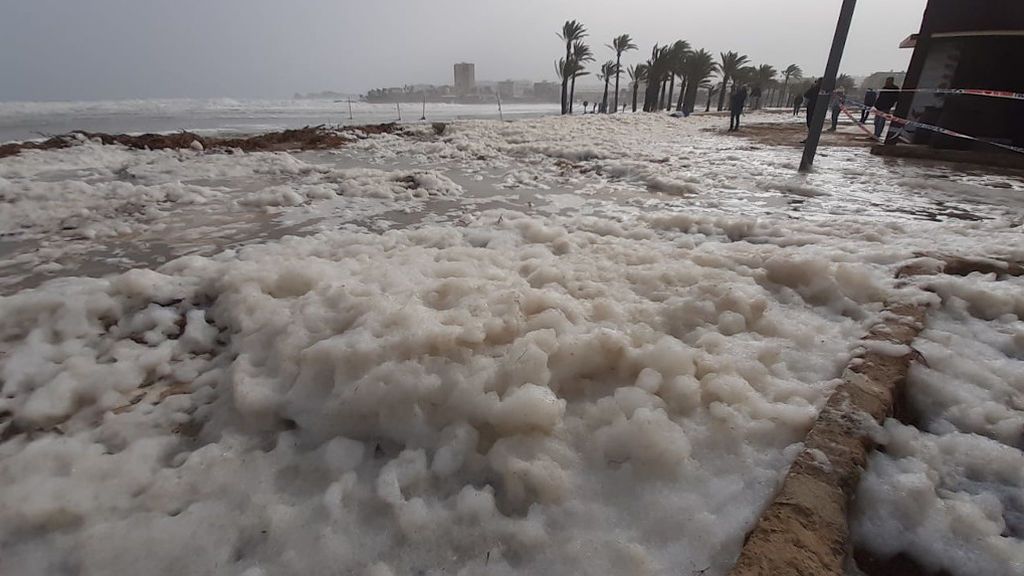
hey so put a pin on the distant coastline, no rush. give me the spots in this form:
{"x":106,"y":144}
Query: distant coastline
{"x":419,"y":96}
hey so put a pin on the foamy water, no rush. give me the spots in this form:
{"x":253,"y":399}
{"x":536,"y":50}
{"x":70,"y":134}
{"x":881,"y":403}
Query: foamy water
{"x":31,"y":120}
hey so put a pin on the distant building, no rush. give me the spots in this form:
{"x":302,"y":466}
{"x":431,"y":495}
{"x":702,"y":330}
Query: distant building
{"x":877,"y":80}
{"x":547,"y":91}
{"x":510,"y":89}
{"x":465,"y":78}
{"x":966,"y":44}
{"x":507,"y":89}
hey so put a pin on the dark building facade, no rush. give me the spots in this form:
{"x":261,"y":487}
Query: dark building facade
{"x":969,"y":44}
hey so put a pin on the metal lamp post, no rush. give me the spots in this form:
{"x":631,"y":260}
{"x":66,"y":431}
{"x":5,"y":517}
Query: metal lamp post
{"x":828,"y":84}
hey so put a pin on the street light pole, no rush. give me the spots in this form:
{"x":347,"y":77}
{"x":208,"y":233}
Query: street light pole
{"x":828,"y":84}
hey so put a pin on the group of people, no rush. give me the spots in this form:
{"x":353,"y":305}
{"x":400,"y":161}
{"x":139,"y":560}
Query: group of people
{"x":881,"y":102}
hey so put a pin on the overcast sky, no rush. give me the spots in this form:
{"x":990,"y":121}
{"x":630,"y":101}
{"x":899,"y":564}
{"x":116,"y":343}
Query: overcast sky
{"x":106,"y":49}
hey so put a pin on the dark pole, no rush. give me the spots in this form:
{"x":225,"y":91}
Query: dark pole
{"x":828,"y":84}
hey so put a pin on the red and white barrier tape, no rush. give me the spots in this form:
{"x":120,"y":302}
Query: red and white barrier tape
{"x":937,"y":129}
{"x":859,"y":125}
{"x":959,"y":91}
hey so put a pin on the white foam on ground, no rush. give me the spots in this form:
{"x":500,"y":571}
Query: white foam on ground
{"x":951,"y":495}
{"x":540,"y":396}
{"x":107,"y":191}
{"x":614,"y":388}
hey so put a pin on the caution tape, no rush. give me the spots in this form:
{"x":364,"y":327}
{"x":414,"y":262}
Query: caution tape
{"x":937,"y":129}
{"x":947,"y":132}
{"x":859,"y":125}
{"x":1004,"y":94}
{"x":959,"y":91}
{"x":989,"y":93}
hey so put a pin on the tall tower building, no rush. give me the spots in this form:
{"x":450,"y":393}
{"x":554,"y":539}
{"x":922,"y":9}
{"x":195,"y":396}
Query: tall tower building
{"x":465,"y":78}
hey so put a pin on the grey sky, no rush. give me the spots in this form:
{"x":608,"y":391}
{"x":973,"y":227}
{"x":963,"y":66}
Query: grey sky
{"x":97,"y":49}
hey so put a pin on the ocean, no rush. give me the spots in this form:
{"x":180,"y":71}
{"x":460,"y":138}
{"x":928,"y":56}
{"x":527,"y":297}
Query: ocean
{"x":33,"y":120}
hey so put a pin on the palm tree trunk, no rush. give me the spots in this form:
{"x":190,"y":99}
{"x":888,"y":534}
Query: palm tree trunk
{"x":651,"y":94}
{"x":710,"y":95}
{"x":721,"y":94}
{"x":661,"y":100}
{"x":655,"y":87}
{"x":572,"y":93}
{"x":618,"y":72}
{"x":565,"y":80}
{"x":636,"y":87}
{"x":690,"y":102}
{"x":683,"y":81}
{"x":604,"y":101}
{"x":671,"y":91}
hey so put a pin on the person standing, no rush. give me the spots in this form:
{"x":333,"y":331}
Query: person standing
{"x":798,"y":103}
{"x":838,"y":103}
{"x":811,"y":96}
{"x":890,"y":94}
{"x":870,"y":97}
{"x":736,"y":103}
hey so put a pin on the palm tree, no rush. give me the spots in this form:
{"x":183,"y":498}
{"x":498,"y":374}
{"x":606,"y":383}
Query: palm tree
{"x":744,"y":75}
{"x":699,"y":67}
{"x":569,"y":70}
{"x":608,"y":69}
{"x":764,"y":76}
{"x":653,"y":81}
{"x":846,"y":83}
{"x":677,"y":56}
{"x":620,"y":45}
{"x":581,"y":54}
{"x":572,"y":32}
{"x":730,"y":65}
{"x":684,"y":81}
{"x":657,"y":70}
{"x":563,"y":69}
{"x":637,"y":74}
{"x":792,"y":71}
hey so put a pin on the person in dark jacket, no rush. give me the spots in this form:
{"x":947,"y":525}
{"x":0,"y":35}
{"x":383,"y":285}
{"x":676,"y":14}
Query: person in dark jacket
{"x":798,"y":103}
{"x":736,"y":103}
{"x":870,"y":97}
{"x":890,"y":94}
{"x":811,"y":96}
